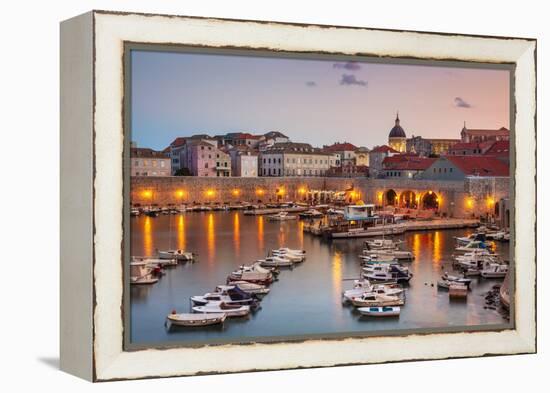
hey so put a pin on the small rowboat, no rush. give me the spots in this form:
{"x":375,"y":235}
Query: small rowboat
{"x":188,"y":320}
{"x":380,"y":311}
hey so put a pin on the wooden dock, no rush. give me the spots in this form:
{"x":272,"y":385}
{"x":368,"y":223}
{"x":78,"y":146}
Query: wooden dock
{"x":395,"y":229}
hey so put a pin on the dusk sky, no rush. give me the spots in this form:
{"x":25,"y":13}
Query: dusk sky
{"x":313,"y":101}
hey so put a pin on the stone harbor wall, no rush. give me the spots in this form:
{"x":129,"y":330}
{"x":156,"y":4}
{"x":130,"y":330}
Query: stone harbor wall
{"x":472,"y":197}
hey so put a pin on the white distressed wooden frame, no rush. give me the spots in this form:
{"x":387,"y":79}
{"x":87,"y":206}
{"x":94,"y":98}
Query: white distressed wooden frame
{"x":92,"y":195}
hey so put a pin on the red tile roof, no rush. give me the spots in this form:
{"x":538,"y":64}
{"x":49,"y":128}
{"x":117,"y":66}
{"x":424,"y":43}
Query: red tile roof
{"x":500,"y":149}
{"x":142,"y":152}
{"x":407,"y":162}
{"x":480,"y":165}
{"x":179,"y":141}
{"x":501,"y":131}
{"x":383,"y":149}
{"x":340,"y":147}
{"x":471,"y":145}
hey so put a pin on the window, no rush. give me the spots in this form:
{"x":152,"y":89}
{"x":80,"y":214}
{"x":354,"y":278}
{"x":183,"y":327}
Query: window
{"x":202,"y":147}
{"x":451,"y":170}
{"x":206,"y":165}
{"x":162,"y":164}
{"x":217,"y":163}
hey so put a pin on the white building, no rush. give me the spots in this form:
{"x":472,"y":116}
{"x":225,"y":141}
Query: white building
{"x":294,"y":159}
{"x":244,"y":162}
{"x":148,"y":162}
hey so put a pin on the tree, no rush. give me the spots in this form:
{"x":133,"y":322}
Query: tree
{"x":182,"y":172}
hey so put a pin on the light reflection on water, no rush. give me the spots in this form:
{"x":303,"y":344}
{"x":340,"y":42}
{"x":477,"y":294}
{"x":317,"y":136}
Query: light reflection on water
{"x":306,"y":299}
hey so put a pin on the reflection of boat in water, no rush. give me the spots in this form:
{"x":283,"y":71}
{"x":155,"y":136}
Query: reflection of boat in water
{"x":141,"y":273}
{"x":190,"y":320}
{"x":380,"y":311}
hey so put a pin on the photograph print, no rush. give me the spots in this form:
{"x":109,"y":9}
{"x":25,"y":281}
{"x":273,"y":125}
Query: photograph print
{"x":279,"y":196}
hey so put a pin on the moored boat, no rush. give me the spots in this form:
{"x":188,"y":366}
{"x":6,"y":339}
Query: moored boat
{"x":218,"y":308}
{"x":275,"y":262}
{"x":377,"y":300}
{"x":386,"y":311}
{"x":282,"y":216}
{"x":494,"y":270}
{"x":193,"y":319}
{"x":180,"y":255}
{"x":253,"y":289}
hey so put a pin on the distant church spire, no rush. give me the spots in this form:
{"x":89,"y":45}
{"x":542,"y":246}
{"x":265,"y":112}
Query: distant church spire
{"x":397,"y":119}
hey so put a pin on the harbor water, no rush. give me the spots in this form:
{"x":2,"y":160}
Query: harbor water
{"x":306,"y":300}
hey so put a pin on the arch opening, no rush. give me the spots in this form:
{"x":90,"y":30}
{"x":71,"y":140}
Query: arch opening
{"x":430,"y":200}
{"x":391,"y":197}
{"x":407,"y":199}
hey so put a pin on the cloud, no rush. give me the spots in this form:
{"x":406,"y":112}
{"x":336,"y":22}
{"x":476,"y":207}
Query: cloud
{"x":460,"y":103}
{"x":350,"y":66}
{"x":348,"y":79}
{"x":311,"y":84}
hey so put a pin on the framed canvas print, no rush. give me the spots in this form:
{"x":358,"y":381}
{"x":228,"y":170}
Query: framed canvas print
{"x":246,"y":195}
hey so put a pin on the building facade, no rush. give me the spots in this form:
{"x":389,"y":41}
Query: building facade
{"x":376,"y":159}
{"x":294,"y":159}
{"x":244,"y":162}
{"x":460,"y":167}
{"x":482,"y":135}
{"x":148,"y":162}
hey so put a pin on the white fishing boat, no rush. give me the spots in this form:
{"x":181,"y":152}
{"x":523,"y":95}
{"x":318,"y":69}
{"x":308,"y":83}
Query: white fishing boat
{"x":141,"y":274}
{"x":472,"y":272}
{"x":180,"y":255}
{"x":226,"y":294}
{"x":292,"y":257}
{"x":498,"y":235}
{"x":494,"y":270}
{"x":218,"y":308}
{"x":275,"y":262}
{"x":474,"y":260}
{"x":474,"y":245}
{"x":458,"y":279}
{"x":364,"y":287}
{"x":377,"y":300}
{"x":397,"y":254}
{"x":256,"y":267}
{"x":253,"y":289}
{"x":282,"y":216}
{"x":393,"y":273}
{"x":311,"y":213}
{"x":155,"y":261}
{"x":135,"y":212}
{"x":190,"y":320}
{"x":386,"y":311}
{"x":377,"y":259}
{"x":290,"y":251}
{"x":382,"y":244}
{"x":251,"y":277}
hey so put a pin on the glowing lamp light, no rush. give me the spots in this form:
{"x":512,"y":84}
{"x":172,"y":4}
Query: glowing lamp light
{"x":180,"y":193}
{"x":470,"y":202}
{"x":147,"y":193}
{"x":259,"y":191}
{"x":209,"y":193}
{"x":490,"y":201}
{"x":236,"y":192}
{"x":280,"y":191}
{"x":302,"y":190}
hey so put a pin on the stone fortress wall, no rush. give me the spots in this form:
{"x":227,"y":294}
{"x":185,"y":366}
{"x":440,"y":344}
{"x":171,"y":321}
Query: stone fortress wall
{"x":475,"y":196}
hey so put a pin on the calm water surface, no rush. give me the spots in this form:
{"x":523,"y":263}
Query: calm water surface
{"x":305,"y":300}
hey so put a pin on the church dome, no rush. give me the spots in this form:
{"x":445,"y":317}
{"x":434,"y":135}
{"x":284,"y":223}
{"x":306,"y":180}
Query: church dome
{"x":397,"y":131}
